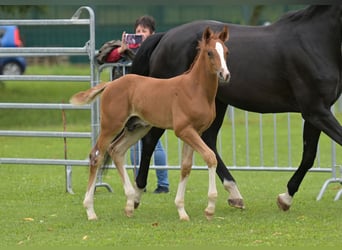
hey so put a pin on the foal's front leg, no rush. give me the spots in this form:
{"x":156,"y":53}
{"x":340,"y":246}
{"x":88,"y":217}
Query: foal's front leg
{"x":196,"y":142}
{"x":186,"y":165}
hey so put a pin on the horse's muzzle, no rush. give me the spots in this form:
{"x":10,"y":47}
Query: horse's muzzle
{"x":224,"y":76}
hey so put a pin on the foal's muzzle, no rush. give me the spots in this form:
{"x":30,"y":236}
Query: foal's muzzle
{"x":224,"y":76}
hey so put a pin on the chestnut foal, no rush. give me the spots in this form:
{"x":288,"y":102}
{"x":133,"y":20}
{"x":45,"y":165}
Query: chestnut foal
{"x":132,"y":104}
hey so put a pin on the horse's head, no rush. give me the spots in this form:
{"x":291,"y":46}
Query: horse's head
{"x":217,"y":52}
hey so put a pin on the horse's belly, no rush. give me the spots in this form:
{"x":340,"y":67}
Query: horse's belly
{"x":271,"y":97}
{"x":156,"y":115}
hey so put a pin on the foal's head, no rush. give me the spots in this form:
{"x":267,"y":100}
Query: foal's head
{"x":216,"y":52}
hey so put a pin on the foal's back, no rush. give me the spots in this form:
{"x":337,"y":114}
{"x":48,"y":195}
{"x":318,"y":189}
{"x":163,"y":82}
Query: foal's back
{"x":153,"y":100}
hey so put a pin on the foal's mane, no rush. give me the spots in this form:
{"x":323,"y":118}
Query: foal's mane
{"x":200,"y":47}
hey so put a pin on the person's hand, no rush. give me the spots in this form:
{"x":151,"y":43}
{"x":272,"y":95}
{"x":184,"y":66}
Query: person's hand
{"x":124,"y":46}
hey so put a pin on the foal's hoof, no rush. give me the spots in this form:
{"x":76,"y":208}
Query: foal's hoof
{"x":91,"y":215}
{"x":209,"y":215}
{"x":184,"y":218}
{"x":94,"y":217}
{"x":237,"y":203}
{"x":284,"y":202}
{"x":129,"y":212}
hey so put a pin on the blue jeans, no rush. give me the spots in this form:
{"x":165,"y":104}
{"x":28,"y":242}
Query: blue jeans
{"x":159,"y":160}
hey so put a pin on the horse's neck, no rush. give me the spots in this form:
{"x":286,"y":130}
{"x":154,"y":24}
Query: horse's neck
{"x":203,"y":78}
{"x":330,"y":13}
{"x":319,"y":16}
{"x":315,"y":24}
{"x":311,"y":12}
{"x":326,"y":20}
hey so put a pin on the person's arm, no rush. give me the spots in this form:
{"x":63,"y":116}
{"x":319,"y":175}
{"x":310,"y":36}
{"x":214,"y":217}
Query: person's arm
{"x":115,"y":54}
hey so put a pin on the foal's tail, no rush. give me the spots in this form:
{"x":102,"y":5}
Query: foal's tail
{"x":89,"y":95}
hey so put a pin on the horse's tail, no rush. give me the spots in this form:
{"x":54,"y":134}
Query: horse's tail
{"x":141,"y":62}
{"x":89,"y":95}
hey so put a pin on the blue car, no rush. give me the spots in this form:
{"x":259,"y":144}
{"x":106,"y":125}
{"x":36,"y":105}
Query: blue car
{"x":10,"y":37}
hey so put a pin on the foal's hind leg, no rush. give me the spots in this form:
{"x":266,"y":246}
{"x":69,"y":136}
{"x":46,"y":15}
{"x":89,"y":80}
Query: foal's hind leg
{"x":96,"y":159}
{"x":149,"y":141}
{"x":117,"y":151}
{"x":128,"y":187}
{"x":118,"y":157}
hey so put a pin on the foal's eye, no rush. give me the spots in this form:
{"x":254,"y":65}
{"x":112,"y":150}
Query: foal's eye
{"x":210,"y":53}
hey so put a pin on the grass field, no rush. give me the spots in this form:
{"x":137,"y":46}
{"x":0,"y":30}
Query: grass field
{"x":36,"y":211}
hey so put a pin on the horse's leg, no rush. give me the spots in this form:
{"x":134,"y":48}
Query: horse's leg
{"x":317,"y":118}
{"x":324,"y":120}
{"x":192,"y":138}
{"x":186,"y":165}
{"x":210,"y":137}
{"x":117,"y":150}
{"x":149,"y":142}
{"x":119,"y":159}
{"x":96,"y":159}
{"x":310,"y":142}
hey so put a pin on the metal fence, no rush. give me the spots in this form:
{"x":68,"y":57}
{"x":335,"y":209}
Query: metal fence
{"x":87,"y":50}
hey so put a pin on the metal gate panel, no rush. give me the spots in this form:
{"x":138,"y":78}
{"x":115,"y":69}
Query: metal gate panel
{"x":87,"y":50}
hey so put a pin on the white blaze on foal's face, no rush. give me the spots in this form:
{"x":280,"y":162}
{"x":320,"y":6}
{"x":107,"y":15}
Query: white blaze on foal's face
{"x":224,"y":70}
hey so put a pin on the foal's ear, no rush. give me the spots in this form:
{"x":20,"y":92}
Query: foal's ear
{"x":224,"y":35}
{"x":207,"y":34}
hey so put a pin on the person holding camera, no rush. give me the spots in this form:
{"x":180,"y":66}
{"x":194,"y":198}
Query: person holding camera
{"x":144,"y":27}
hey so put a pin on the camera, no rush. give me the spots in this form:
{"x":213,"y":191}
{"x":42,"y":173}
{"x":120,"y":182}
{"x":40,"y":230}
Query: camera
{"x":133,"y":39}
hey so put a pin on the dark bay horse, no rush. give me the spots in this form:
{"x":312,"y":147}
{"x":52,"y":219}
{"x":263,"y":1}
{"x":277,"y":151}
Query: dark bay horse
{"x":132,"y":104}
{"x":292,"y":65}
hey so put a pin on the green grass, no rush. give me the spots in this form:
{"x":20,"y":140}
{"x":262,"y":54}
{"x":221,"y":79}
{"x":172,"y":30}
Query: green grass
{"x":36,"y":211}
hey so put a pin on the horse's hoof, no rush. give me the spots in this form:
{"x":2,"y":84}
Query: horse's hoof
{"x":282,"y":203}
{"x":129,"y":212}
{"x":283,"y":206}
{"x":237,"y":203}
{"x":91,"y":215}
{"x":136,"y":204}
{"x":94,"y":217}
{"x":209,"y":215}
{"x":184,"y":218}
